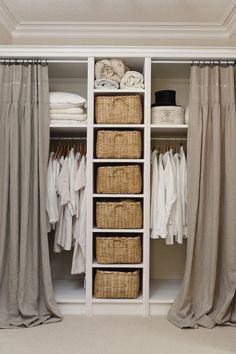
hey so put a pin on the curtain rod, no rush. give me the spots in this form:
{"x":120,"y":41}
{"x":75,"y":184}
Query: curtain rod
{"x":43,"y":60}
{"x":195,"y":61}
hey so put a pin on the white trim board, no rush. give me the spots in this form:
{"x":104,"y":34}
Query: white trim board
{"x":154,"y":52}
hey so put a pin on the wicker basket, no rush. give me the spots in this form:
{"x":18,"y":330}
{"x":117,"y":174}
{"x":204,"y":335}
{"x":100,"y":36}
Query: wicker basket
{"x":118,"y":109}
{"x":119,"y":215}
{"x":119,"y":179}
{"x":117,"y":284}
{"x":118,"y":249}
{"x":122,"y":144}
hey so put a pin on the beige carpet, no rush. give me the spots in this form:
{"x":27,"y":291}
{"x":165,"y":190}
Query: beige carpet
{"x":117,"y":335}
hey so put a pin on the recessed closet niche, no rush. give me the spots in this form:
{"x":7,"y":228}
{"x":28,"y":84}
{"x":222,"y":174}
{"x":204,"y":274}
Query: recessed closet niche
{"x":69,"y":289}
{"x":167,"y":262}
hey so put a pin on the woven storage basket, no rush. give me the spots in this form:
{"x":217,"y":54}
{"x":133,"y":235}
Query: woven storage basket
{"x":118,"y":109}
{"x":117,"y":284}
{"x":119,"y":144}
{"x":119,"y":215}
{"x":119,"y":179}
{"x":117,"y":249}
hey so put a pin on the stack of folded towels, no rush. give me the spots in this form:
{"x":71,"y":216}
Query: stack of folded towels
{"x":67,"y":108}
{"x":114,"y":74}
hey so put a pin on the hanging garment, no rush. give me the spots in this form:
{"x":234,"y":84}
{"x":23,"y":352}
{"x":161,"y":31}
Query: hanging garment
{"x":52,"y":203}
{"x":26,"y":293}
{"x":64,"y":235}
{"x":178,"y":222}
{"x":79,"y":254}
{"x":170,"y":197}
{"x":183,"y":188}
{"x":161,"y":200}
{"x":154,"y":196}
{"x":207,"y":296}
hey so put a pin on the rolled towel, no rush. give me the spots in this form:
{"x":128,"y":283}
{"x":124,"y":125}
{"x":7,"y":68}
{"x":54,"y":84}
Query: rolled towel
{"x":113,"y":69}
{"x":75,"y":110}
{"x":106,"y":83}
{"x":69,"y":121}
{"x":78,"y":117}
{"x":132,"y":79}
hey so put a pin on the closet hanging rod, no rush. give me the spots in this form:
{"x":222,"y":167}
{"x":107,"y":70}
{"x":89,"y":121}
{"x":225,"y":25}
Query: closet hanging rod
{"x":174,"y":138}
{"x":67,"y":138}
{"x":195,"y":61}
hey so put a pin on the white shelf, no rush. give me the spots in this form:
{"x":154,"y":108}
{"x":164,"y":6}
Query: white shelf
{"x":177,"y":129}
{"x":95,"y":229}
{"x":133,"y":126}
{"x":69,"y":291}
{"x":68,"y":128}
{"x":118,"y":195}
{"x":129,"y":90}
{"x":98,"y":265}
{"x":119,"y":160}
{"x":164,"y":291}
{"x":139,"y":299}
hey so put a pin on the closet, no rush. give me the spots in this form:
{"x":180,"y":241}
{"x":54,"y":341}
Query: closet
{"x":69,"y":289}
{"x":162,"y":266}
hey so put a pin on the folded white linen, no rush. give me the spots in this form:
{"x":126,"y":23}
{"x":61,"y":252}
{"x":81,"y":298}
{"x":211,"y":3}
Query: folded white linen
{"x":66,"y":105}
{"x":75,"y":110}
{"x":106,"y":83}
{"x":79,"y":117}
{"x":65,"y":97}
{"x":113,"y":69}
{"x":132,"y":79}
{"x":69,"y":121}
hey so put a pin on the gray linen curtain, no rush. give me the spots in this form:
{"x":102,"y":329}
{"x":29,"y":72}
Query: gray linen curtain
{"x":207,"y":297}
{"x":26,"y":294}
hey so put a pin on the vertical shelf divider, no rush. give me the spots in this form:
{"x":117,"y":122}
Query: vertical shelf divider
{"x":89,"y":188}
{"x":146,"y":213}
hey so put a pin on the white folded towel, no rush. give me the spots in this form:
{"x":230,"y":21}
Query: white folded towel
{"x":69,"y":121}
{"x":132,"y":79}
{"x":113,"y":69}
{"x":106,"y":83}
{"x":66,"y":105}
{"x":75,"y":110}
{"x":78,"y":117}
{"x":66,"y":97}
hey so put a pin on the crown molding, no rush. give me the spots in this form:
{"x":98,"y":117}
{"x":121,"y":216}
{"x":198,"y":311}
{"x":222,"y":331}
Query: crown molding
{"x":7,"y":19}
{"x":123,"y":30}
{"x":229,"y":20}
{"x":223,"y":29}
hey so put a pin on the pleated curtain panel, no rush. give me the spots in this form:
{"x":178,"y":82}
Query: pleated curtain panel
{"x":208,"y":297}
{"x":26,"y":293}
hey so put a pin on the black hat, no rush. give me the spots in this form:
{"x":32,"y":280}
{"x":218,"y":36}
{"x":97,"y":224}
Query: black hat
{"x":164,"y":98}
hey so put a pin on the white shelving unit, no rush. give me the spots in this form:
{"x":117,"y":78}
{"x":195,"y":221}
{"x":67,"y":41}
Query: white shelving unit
{"x":117,"y":305}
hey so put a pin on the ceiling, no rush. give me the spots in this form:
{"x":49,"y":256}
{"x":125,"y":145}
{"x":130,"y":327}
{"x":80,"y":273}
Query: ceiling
{"x":119,"y":18}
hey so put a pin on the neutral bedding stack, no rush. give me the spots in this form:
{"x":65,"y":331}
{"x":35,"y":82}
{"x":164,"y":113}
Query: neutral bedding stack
{"x":67,"y":108}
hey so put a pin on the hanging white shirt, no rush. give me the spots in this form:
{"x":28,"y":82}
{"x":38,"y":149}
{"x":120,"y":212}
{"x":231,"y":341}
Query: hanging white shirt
{"x":183,"y":181}
{"x":178,"y":230}
{"x":161,"y":200}
{"x":64,"y":235}
{"x":154,"y":196}
{"x":79,"y":254}
{"x":170,"y":194}
{"x":51,"y":202}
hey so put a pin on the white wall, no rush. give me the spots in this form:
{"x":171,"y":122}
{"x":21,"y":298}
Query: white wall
{"x":5,"y":37}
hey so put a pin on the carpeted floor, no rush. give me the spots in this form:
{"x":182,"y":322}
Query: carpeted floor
{"x":117,"y":335}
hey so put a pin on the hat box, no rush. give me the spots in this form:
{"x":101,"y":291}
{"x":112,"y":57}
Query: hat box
{"x":167,"y":115}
